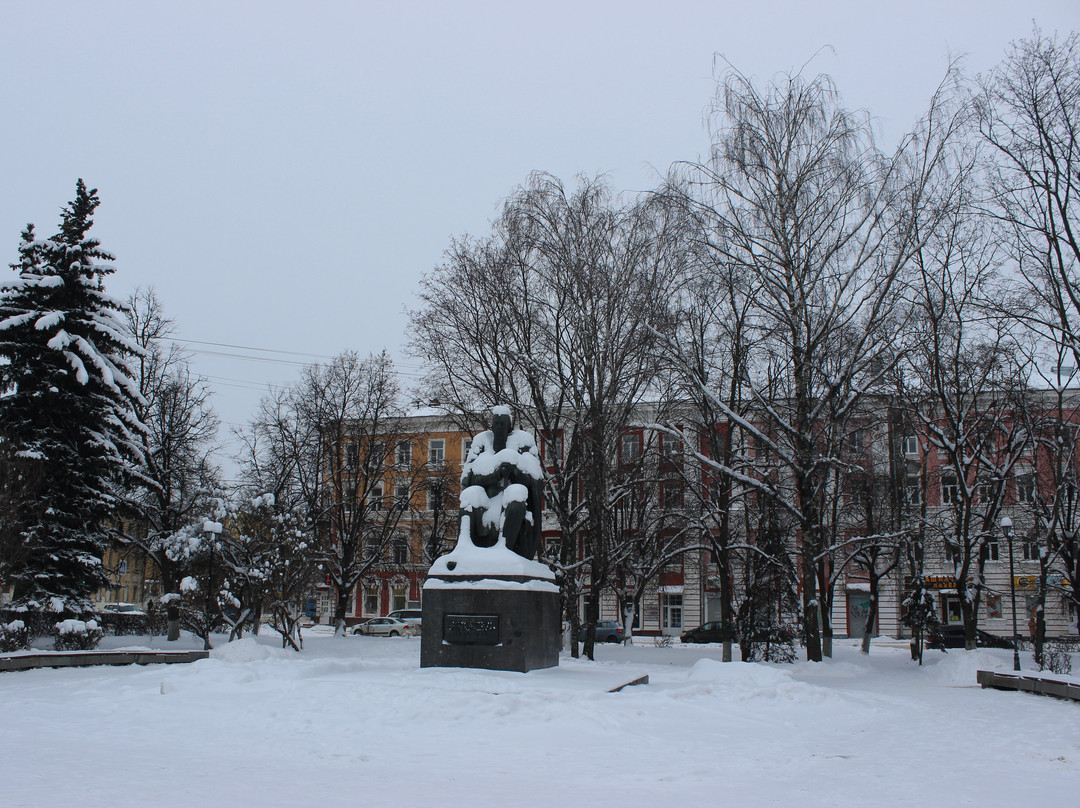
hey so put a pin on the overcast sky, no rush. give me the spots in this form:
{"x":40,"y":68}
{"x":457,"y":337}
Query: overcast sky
{"x":284,"y":173}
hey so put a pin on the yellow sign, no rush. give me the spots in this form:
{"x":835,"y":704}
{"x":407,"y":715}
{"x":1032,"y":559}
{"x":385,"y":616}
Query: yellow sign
{"x":1032,"y":581}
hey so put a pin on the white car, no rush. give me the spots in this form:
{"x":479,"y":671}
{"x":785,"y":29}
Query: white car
{"x":385,"y":627}
{"x":414,"y":617}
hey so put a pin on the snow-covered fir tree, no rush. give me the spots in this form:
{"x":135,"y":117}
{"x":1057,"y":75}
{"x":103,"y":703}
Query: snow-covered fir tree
{"x":67,"y":425}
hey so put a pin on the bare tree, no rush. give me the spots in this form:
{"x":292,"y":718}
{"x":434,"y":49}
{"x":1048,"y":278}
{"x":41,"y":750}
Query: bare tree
{"x":551,"y":314}
{"x":825,"y":225}
{"x":327,"y":443}
{"x":1029,"y":113}
{"x":968,"y":386}
{"x":178,"y":476}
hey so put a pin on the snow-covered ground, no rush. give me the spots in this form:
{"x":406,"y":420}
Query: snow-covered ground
{"x":355,"y":721}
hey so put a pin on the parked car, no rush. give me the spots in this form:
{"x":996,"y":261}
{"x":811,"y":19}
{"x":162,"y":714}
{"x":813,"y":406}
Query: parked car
{"x":385,"y":627}
{"x":606,"y":631}
{"x":121,"y":608}
{"x":414,"y":617}
{"x":707,"y":632}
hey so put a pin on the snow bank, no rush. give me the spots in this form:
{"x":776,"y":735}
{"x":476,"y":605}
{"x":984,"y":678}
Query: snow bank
{"x":248,"y":649}
{"x":958,"y":667}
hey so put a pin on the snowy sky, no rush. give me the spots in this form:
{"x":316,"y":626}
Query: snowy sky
{"x":284,"y":173}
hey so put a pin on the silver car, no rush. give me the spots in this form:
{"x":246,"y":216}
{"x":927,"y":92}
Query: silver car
{"x":385,"y":627}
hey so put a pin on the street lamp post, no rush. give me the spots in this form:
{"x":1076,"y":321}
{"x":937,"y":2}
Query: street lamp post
{"x":1006,"y":528}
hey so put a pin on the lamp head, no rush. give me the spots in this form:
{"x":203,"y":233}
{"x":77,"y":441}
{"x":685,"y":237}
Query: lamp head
{"x":1006,"y":523}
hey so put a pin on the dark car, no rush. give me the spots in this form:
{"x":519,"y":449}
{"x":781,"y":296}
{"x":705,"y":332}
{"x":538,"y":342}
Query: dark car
{"x":708,"y":632}
{"x":606,"y":631}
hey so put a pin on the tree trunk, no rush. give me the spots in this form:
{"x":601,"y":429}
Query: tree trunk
{"x":871,"y":615}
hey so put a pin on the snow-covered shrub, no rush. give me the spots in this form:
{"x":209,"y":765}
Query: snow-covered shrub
{"x":37,"y":622}
{"x":77,"y":635}
{"x":14,"y":636}
{"x":663,"y":641}
{"x":125,"y":623}
{"x":1056,"y":658}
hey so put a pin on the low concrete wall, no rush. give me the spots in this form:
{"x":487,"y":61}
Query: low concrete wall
{"x":1029,"y":684}
{"x":84,"y":659}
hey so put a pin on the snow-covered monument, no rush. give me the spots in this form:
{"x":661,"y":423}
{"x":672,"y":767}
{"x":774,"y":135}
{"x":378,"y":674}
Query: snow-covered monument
{"x":488,"y":603}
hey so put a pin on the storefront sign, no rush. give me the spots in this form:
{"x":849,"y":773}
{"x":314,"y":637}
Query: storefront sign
{"x":1055,"y":581}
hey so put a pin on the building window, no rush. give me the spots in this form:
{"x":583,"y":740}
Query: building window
{"x":671,"y":494}
{"x":856,"y":441}
{"x":913,"y":491}
{"x":466,"y":447}
{"x":403,"y":454}
{"x":631,"y":448}
{"x":373,"y":546}
{"x":398,"y":599}
{"x":909,"y":445}
{"x":954,"y":613}
{"x":436,"y":452}
{"x":671,"y":611}
{"x":371,"y":600}
{"x":553,"y":449}
{"x":950,"y":490}
{"x":401,"y":495}
{"x":351,"y":456}
{"x":400,"y":550}
{"x":1030,"y":550}
{"x":987,"y":491}
{"x":375,"y":498}
{"x":1025,"y":487}
{"x":434,"y":497}
{"x":670,"y":446}
{"x":991,"y":550}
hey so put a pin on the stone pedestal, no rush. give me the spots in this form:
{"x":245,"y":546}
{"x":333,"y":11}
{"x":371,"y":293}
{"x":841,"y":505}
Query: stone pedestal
{"x":509,"y":624}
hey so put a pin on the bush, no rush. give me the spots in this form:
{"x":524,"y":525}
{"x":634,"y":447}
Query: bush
{"x":1056,"y":657}
{"x":76,"y":635}
{"x":663,"y":641}
{"x":36,"y":622}
{"x":14,"y":636}
{"x":124,"y":623}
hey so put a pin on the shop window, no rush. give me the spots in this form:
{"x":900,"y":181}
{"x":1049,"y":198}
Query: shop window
{"x":953,"y":612}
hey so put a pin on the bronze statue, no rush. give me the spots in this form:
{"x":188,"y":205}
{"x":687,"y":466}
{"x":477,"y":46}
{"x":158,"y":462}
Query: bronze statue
{"x":501,"y":488}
